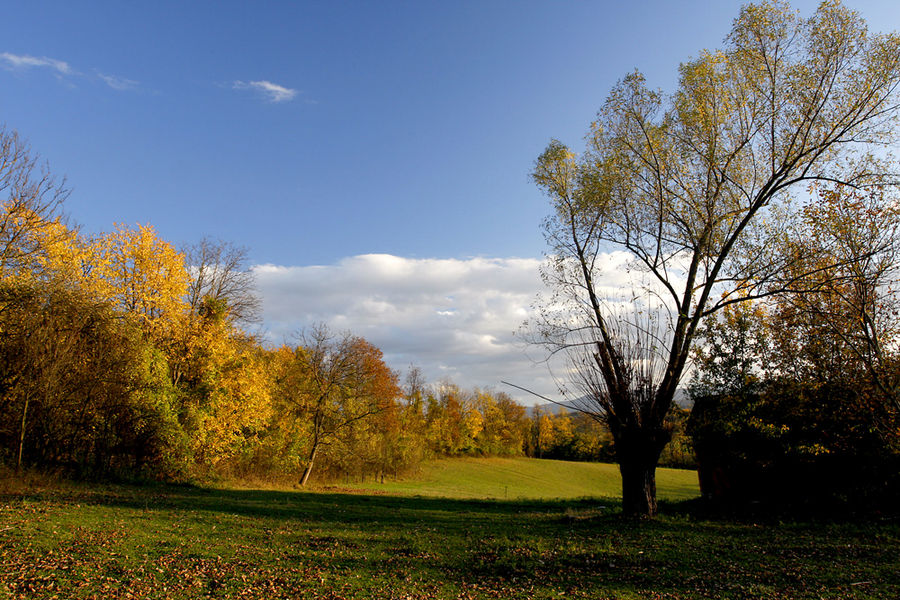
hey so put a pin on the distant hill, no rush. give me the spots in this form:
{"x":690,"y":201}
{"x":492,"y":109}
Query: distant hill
{"x":682,"y":399}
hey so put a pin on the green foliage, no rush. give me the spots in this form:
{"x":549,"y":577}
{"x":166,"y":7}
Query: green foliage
{"x":76,"y":391}
{"x":797,"y":445}
{"x":735,"y":345}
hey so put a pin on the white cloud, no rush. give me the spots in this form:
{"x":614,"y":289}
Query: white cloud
{"x":453,"y":318}
{"x":272,"y":91}
{"x":24,"y":61}
{"x":119,"y":84}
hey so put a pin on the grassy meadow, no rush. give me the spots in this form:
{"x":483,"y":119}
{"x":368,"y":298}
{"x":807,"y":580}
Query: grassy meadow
{"x":527,"y":479}
{"x":68,"y":540}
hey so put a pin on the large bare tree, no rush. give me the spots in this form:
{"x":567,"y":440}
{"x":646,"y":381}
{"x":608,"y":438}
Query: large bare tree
{"x":696,"y":188}
{"x":220,"y":275}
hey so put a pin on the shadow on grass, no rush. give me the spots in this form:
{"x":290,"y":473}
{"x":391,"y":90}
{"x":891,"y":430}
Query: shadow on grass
{"x":321,"y":505}
{"x":510,"y":548}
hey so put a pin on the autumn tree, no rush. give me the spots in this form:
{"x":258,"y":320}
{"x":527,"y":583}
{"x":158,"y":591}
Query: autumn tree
{"x":544,"y":433}
{"x":785,"y":412}
{"x":453,"y":420}
{"x":413,"y":441}
{"x":694,"y":188}
{"x":114,"y":353}
{"x":401,"y":435}
{"x":504,"y":425}
{"x":145,"y":277}
{"x":849,"y":307}
{"x":562,"y":433}
{"x":222,"y":373}
{"x":225,"y":394}
{"x":333,"y":383}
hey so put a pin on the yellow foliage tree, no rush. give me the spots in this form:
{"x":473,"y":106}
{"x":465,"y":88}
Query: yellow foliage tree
{"x":235,"y":405}
{"x":144,"y":276}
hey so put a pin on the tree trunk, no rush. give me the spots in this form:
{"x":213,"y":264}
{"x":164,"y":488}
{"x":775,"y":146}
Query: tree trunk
{"x":638,"y":488}
{"x":22,"y":435}
{"x":637,"y":452}
{"x":309,"y":464}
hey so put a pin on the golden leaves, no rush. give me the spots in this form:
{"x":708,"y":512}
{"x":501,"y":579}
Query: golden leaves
{"x":144,"y":275}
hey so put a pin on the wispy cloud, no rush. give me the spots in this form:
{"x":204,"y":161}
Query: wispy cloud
{"x":272,"y":91}
{"x":118,"y":83}
{"x":24,"y":61}
{"x":62,"y":69}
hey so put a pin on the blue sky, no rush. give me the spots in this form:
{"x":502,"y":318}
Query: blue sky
{"x":315,"y":133}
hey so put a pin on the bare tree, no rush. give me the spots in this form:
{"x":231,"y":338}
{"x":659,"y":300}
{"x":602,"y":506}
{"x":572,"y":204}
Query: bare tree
{"x":696,"y":189}
{"x":30,"y":202}
{"x":219,"y":274}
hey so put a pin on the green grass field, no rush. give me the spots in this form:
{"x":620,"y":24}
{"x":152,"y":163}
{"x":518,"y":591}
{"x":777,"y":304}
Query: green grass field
{"x":529,"y":479}
{"x":81,"y":541}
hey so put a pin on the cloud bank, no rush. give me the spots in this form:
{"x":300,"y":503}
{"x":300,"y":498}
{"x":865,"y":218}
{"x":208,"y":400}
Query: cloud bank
{"x":452,"y":318}
{"x":272,"y":91}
